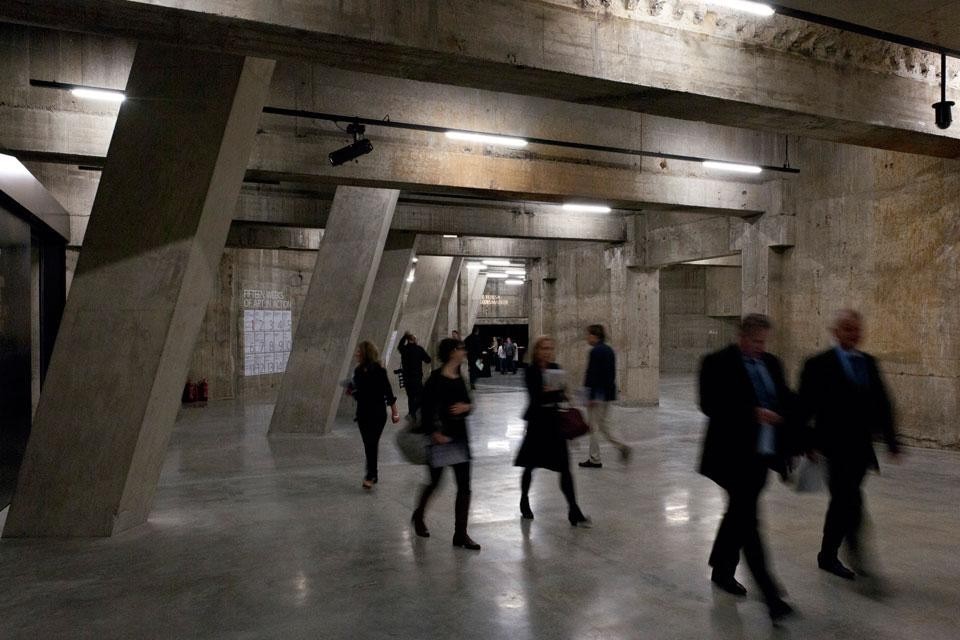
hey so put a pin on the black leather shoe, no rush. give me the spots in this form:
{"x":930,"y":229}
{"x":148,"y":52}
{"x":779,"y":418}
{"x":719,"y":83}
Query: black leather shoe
{"x":779,"y":610}
{"x":465,"y":542}
{"x":419,"y":526}
{"x":589,"y":464}
{"x":834,"y":566}
{"x":728,"y":584}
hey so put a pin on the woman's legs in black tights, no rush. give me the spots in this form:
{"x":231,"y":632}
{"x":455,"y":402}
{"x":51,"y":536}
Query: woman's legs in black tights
{"x":566,"y":486}
{"x":418,"y":524}
{"x":525,"y":481}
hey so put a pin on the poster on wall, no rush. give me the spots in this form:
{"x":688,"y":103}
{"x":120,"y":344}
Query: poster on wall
{"x":267,"y":330}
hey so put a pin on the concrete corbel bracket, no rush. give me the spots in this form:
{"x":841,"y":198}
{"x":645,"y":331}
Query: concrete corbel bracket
{"x":778,"y":231}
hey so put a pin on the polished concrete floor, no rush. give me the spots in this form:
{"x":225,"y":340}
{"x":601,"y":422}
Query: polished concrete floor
{"x":273,"y":538}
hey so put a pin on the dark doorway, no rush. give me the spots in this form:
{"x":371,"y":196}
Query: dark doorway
{"x":489,"y":333}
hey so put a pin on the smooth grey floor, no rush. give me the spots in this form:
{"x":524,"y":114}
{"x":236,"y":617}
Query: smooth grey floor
{"x":273,"y":538}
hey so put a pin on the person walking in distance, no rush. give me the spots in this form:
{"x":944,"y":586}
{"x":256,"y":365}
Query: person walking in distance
{"x":446,"y":405}
{"x":502,"y":357}
{"x":412,"y":359}
{"x":747,"y":403}
{"x":842,"y":391}
{"x":509,"y":354}
{"x":474,"y":346}
{"x":371,"y":389}
{"x":543,"y":443}
{"x":601,"y":385}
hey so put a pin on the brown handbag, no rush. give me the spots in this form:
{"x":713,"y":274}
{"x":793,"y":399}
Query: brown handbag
{"x":571,"y":422}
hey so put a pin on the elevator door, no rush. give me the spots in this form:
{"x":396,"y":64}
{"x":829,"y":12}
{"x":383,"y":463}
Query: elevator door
{"x":15,"y":353}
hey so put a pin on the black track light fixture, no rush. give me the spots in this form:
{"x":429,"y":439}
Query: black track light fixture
{"x":943,"y":108}
{"x":359,"y":147}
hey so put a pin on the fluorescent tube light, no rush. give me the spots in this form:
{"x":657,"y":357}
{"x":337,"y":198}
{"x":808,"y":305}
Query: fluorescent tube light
{"x":516,"y":272}
{"x":731,"y":166}
{"x":497,"y":263}
{"x":484,"y":138}
{"x":498,"y":276}
{"x":410,"y":277}
{"x":98,"y":94}
{"x":512,"y":282}
{"x":756,"y":8}
{"x":450,"y":236}
{"x":574,"y":207}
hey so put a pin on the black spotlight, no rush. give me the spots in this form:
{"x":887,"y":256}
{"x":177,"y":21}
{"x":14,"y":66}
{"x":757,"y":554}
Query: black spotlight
{"x":942,"y":108}
{"x":359,"y":147}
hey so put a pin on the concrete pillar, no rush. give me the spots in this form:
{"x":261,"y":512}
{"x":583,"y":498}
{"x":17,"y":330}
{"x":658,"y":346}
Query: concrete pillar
{"x":386,"y":298}
{"x":761,"y":245}
{"x":477,"y":288}
{"x":157,"y":231}
{"x":333,"y":311}
{"x":446,"y":315}
{"x":419,"y":313}
{"x":640,"y":337}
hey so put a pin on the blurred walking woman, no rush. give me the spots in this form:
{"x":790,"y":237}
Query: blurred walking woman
{"x":446,"y":405}
{"x":371,"y":389}
{"x":543,"y":444}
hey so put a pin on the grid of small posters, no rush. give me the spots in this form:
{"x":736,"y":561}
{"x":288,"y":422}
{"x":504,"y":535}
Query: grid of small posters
{"x":267,"y":340}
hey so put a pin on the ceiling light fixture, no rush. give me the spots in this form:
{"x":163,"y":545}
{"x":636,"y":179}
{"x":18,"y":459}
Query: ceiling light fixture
{"x":496,"y":263}
{"x":756,"y":8}
{"x":498,"y":276}
{"x":99,"y":94}
{"x":732,"y":166}
{"x":487,"y":138}
{"x":943,"y":108}
{"x":512,"y":282}
{"x":574,"y":207}
{"x":450,"y":236}
{"x":410,"y":277}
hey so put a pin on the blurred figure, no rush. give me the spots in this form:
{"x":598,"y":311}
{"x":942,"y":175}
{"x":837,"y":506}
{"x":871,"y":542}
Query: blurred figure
{"x":372,"y":391}
{"x":510,"y":355}
{"x":412,"y":359}
{"x":543,"y":444}
{"x":501,"y":357}
{"x":446,"y":405}
{"x":745,"y":398}
{"x":474,"y":347}
{"x":455,"y":335}
{"x":601,"y":384}
{"x":842,"y":391}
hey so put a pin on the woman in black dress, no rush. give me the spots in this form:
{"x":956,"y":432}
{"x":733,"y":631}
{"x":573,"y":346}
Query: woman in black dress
{"x":446,"y":404}
{"x":372,"y":391}
{"x":543,"y":444}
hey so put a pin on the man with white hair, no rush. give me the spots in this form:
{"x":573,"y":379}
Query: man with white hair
{"x":842,"y":391}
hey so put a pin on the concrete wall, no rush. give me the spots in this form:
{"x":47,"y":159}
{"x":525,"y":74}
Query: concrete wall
{"x":879,"y":231}
{"x":219,"y":352}
{"x":698,"y":314}
{"x":503,"y":303}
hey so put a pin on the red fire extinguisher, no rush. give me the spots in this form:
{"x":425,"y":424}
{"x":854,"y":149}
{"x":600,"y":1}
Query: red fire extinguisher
{"x":203,"y":390}
{"x":189,"y":392}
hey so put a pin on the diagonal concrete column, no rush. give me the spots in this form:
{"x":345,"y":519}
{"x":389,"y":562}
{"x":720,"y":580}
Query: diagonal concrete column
{"x":423,"y":303}
{"x":386,"y":298}
{"x":334,"y":309}
{"x":475,"y":296}
{"x":446,"y":315}
{"x":156,"y":235}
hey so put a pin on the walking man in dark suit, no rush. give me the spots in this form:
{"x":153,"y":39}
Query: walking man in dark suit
{"x":841,"y":389}
{"x":747,"y":402}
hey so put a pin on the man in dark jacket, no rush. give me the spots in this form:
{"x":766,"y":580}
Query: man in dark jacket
{"x":601,"y":384}
{"x":841,"y":389}
{"x":474,"y":345}
{"x":412,"y":359}
{"x":747,"y":402}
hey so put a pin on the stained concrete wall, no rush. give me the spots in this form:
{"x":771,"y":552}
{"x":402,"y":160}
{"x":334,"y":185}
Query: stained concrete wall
{"x":503,"y":303}
{"x":698,"y":314}
{"x":879,"y":231}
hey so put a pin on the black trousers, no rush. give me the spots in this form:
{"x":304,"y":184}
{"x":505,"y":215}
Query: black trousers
{"x":371,"y":428}
{"x":462,"y":505}
{"x":740,"y":529}
{"x":414,"y":398}
{"x":845,"y":513}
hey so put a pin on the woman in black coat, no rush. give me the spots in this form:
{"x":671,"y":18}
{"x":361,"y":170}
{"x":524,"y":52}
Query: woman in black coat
{"x":372,"y":391}
{"x":543,"y":444}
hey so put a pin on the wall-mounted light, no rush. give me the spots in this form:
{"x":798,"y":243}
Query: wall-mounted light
{"x":82,"y":91}
{"x":575,"y":207}
{"x":756,"y":8}
{"x":486,"y":138}
{"x":731,"y":166}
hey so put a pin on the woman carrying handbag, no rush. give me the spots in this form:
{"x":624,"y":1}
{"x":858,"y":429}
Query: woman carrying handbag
{"x":544,"y":444}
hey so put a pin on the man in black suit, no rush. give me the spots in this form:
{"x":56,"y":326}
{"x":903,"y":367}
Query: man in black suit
{"x":841,"y":389}
{"x":745,"y":397}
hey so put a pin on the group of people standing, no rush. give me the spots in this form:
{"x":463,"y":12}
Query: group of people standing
{"x":756,"y":423}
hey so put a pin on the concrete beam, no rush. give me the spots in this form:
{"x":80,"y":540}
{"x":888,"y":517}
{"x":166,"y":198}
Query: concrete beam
{"x":139,"y":294}
{"x":639,"y":61}
{"x":481,"y":247}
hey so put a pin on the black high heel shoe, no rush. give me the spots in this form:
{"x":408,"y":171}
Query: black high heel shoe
{"x":465,"y":542}
{"x":419,"y":526}
{"x":577,"y":519}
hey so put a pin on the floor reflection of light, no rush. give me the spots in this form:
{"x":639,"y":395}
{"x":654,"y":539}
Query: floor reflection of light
{"x":302,"y":587}
{"x":512,"y":600}
{"x":498,"y":445}
{"x":676,"y":507}
{"x":515,"y":430}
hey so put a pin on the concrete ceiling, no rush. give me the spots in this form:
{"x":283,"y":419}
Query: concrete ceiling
{"x":933,"y":21}
{"x":547,"y":49}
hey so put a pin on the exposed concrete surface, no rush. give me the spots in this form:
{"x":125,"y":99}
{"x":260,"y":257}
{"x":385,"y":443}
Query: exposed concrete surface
{"x":139,"y":295}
